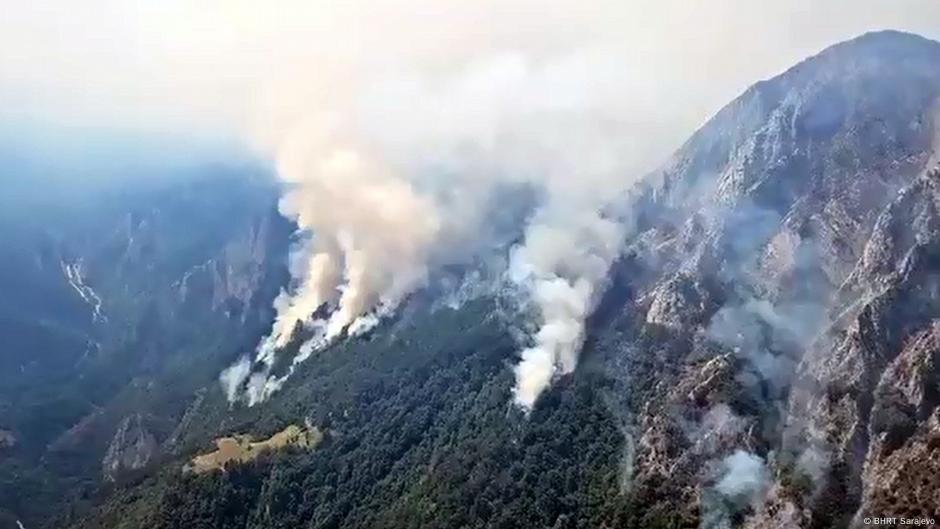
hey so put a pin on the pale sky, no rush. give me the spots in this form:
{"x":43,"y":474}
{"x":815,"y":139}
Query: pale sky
{"x":214,"y":67}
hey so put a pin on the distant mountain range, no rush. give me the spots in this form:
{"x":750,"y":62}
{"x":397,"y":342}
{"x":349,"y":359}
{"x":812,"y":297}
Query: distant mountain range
{"x":767,"y":353}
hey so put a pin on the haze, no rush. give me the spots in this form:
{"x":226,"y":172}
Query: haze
{"x":209,"y":68}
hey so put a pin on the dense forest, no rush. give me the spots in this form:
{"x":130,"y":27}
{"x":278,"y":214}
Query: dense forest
{"x":420,"y":432}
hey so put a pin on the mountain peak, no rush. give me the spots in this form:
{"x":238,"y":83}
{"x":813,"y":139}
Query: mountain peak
{"x":863,"y":56}
{"x":873,"y":93}
{"x":887,"y":47}
{"x":887,"y":38}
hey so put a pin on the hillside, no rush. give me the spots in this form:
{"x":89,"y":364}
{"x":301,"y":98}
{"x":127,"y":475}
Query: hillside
{"x":115,"y":310}
{"x":766,"y":354}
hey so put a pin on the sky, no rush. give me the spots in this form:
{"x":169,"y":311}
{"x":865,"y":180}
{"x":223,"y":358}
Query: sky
{"x":229,"y":68}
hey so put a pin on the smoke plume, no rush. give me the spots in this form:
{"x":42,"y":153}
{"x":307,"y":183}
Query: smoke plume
{"x":563,"y":264}
{"x":744,"y":480}
{"x":233,"y":377}
{"x":392,"y":125}
{"x":371,"y":236}
{"x":398,"y":179}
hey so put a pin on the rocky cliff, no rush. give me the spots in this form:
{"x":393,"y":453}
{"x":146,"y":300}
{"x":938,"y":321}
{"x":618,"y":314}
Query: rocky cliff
{"x":132,"y":448}
{"x":114,"y":313}
{"x":786,"y":271}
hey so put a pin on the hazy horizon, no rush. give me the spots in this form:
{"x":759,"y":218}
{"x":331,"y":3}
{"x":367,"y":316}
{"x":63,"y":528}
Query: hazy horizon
{"x":240,"y":72}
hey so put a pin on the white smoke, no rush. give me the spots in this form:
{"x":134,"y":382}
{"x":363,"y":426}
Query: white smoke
{"x":364,"y":221}
{"x":744,"y":481}
{"x":392,"y":122}
{"x":392,"y":125}
{"x":745,"y":477}
{"x":559,"y":125}
{"x":234,"y":376}
{"x":564,"y":264}
{"x":395,"y":181}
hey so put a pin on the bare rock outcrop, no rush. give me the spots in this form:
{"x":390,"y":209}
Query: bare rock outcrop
{"x":792,"y":297}
{"x":133,"y":447}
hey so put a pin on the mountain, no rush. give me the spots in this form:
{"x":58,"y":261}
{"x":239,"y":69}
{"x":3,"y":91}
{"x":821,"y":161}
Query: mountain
{"x":793,"y":294}
{"x":115,"y":309}
{"x":766,"y":354}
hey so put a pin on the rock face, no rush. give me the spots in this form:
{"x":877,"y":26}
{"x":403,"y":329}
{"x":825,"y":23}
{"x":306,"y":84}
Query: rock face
{"x":902,"y":467}
{"x":132,"y":448}
{"x":232,"y":279}
{"x":115,"y":311}
{"x":791,"y":298}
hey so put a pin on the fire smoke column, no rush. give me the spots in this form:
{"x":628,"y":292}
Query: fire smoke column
{"x":387,"y":177}
{"x":371,"y":234}
{"x":386,"y":258}
{"x":563,"y":264}
{"x":319,"y":286}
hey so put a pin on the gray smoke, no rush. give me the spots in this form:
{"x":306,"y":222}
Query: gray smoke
{"x":743,"y":480}
{"x":234,"y":376}
{"x":771,"y":338}
{"x":744,"y":477}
